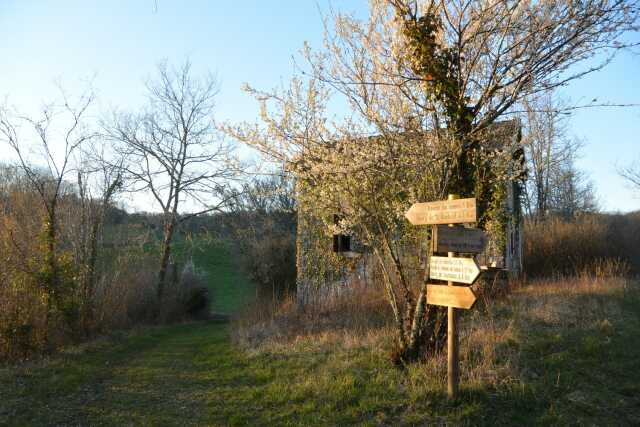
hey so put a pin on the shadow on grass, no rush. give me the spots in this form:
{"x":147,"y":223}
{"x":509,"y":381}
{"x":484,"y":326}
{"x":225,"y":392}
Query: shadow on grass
{"x":191,"y":375}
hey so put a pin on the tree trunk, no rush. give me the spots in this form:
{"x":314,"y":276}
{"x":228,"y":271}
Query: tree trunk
{"x":422,"y":328}
{"x":165,"y":255}
{"x":89,"y":285}
{"x":50,"y":279}
{"x":391,"y":297}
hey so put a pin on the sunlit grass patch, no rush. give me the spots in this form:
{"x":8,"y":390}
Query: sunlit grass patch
{"x":548,"y":354}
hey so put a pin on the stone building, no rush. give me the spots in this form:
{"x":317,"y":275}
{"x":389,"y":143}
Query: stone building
{"x":330,"y":266}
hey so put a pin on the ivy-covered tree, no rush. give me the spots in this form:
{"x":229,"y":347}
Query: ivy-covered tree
{"x":422,"y":84}
{"x":476,"y":59}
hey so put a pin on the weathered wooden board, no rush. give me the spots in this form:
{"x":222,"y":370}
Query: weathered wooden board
{"x":461,"y":270}
{"x":442,"y":212}
{"x":458,"y":239}
{"x":451,"y":296}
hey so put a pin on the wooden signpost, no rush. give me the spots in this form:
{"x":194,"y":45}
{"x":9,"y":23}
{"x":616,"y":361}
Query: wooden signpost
{"x":451,"y":268}
{"x":451,"y":296}
{"x":461,"y":270}
{"x":445,"y":212}
{"x":458,"y":239}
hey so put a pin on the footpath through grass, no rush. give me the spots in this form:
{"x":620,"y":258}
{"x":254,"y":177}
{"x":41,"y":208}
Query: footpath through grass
{"x":230,"y":290}
{"x":192,"y":375}
{"x":581,"y":371}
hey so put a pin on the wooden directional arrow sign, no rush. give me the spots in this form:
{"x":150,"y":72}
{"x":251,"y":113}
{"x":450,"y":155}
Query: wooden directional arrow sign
{"x":443,"y":212}
{"x":462,"y":270}
{"x":458,"y":239}
{"x":451,"y":296}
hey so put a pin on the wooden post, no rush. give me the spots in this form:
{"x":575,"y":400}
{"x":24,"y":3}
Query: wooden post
{"x":451,"y":268}
{"x":452,"y":339}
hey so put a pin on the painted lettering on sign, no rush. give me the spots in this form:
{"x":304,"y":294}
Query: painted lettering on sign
{"x":443,"y":212}
{"x":462,"y":270}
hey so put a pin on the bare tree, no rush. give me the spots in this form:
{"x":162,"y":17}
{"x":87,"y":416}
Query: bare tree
{"x":554,"y":185}
{"x":631,"y":174}
{"x":572,"y":192}
{"x":58,"y":134}
{"x":99,"y":179}
{"x":174,"y":152}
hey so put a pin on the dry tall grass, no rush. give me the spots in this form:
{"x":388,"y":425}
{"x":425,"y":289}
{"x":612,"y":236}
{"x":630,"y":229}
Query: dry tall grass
{"x":589,"y":255}
{"x":492,"y":336}
{"x":597,"y":244}
{"x":352,"y":318}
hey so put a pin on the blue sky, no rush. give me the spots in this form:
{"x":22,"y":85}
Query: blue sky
{"x":118,"y":44}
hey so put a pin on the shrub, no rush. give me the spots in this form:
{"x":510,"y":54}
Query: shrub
{"x":195,"y":296}
{"x":349,"y":316}
{"x":263,"y":228}
{"x":196,"y":302}
{"x":126,"y":295}
{"x":86,"y":278}
{"x":270,"y":262}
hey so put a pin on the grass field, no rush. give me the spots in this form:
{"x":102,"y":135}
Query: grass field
{"x":230,"y":290}
{"x":578,"y":364}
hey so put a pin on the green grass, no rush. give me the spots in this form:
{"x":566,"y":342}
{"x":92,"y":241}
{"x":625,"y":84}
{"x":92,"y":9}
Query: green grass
{"x":587,"y":376}
{"x":585,"y":371}
{"x":230,"y":290}
{"x":192,"y":375}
